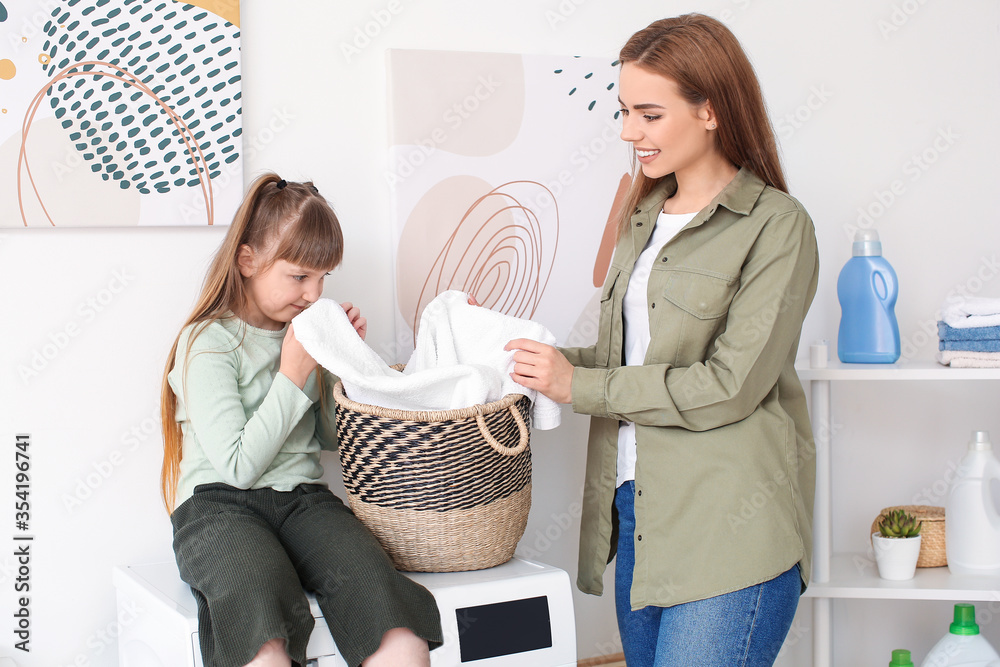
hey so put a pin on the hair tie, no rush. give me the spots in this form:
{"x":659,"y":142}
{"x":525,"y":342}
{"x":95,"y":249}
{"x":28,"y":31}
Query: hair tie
{"x":281,"y":184}
{"x":314,"y":189}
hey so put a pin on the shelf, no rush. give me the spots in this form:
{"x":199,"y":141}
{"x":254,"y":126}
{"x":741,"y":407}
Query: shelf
{"x":855,"y":575}
{"x":901,"y":370}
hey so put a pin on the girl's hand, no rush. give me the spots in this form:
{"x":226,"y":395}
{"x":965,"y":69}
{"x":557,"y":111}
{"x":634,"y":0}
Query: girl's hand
{"x":543,"y":368}
{"x":296,"y":364}
{"x":354,"y":315}
{"x":472,"y":301}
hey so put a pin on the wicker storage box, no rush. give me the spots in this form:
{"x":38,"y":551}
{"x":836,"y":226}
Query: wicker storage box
{"x":443,"y":491}
{"x":932,"y":552}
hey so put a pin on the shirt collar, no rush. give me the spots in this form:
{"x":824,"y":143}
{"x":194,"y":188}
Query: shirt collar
{"x":739,"y":195}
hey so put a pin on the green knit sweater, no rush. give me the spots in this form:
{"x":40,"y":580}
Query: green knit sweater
{"x":244,"y":423}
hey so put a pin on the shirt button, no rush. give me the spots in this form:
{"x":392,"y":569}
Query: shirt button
{"x":664,"y":259}
{"x":639,"y":492}
{"x":639,"y":537}
{"x":653,"y":306}
{"x":638,"y":224}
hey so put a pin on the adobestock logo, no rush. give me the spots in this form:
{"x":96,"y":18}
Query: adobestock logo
{"x":231,"y":173}
{"x":899,"y":16}
{"x":926,"y":330}
{"x":728,"y":15}
{"x":101,"y":470}
{"x":788,"y":124}
{"x":453,"y":118}
{"x":33,"y":24}
{"x":545,"y":537}
{"x":365,"y":34}
{"x":59,"y":340}
{"x":562,"y":12}
{"x":582,"y":157}
{"x":913,"y":168}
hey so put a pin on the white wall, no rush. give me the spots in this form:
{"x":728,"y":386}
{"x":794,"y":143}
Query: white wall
{"x":853,"y":102}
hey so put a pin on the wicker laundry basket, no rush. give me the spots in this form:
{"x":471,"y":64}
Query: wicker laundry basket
{"x":443,"y":491}
{"x":932,"y":552}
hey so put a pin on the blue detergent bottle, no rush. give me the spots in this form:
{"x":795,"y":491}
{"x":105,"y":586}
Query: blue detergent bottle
{"x":867,"y":290}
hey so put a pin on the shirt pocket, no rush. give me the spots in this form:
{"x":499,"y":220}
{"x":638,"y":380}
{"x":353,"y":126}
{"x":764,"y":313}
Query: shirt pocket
{"x":704,"y":295}
{"x":605,"y":329}
{"x":703,"y":299}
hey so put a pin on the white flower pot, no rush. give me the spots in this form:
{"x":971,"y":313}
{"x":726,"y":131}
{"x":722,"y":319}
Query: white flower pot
{"x":896,"y":556}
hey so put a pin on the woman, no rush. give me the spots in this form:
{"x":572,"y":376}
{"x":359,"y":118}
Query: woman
{"x":700,"y":468}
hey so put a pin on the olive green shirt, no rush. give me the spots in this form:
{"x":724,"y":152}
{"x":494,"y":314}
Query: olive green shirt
{"x":725,"y":470}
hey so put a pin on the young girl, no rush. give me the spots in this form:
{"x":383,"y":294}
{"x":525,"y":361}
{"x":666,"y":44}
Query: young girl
{"x":243,"y":424}
{"x":697,"y":411}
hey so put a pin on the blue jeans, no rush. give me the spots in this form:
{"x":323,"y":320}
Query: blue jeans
{"x":745,"y":628}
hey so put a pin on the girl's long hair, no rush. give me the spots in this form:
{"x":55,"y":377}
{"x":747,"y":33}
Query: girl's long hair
{"x":708,"y":64}
{"x":278,"y":220}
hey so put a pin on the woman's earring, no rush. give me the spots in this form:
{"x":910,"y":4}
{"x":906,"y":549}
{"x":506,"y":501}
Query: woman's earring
{"x":712,"y":127}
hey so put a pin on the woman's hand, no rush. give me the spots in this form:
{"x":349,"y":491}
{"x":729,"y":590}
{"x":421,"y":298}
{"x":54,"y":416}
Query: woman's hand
{"x":296,"y":364}
{"x":543,"y":368}
{"x":354,"y":316}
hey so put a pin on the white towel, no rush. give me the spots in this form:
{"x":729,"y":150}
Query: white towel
{"x":972,"y":311}
{"x":968,"y":359}
{"x":439,"y":378}
{"x":327,"y":335}
{"x":452,"y":332}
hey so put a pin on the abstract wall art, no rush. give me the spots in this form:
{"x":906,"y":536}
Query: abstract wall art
{"x":504,"y":171}
{"x":115,"y":114}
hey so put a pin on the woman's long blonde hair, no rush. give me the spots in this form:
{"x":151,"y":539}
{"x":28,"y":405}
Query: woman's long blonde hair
{"x":278,"y":220}
{"x":708,"y":64}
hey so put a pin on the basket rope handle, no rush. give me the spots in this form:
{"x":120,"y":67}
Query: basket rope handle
{"x":499,"y":448}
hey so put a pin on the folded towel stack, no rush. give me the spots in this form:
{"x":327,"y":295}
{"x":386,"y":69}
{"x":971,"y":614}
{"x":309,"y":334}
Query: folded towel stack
{"x":970,"y":333}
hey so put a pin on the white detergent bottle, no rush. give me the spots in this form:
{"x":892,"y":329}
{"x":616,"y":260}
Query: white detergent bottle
{"x":963,"y":646}
{"x":972,"y":524}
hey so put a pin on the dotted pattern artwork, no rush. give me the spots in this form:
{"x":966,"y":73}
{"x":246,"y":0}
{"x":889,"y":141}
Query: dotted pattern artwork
{"x":188,"y":58}
{"x":590,"y":85}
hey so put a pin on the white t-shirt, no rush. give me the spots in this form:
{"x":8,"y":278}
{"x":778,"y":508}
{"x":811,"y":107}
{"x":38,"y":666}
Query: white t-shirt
{"x":636,"y":316}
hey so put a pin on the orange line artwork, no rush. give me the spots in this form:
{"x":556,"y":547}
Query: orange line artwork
{"x":509,"y":264}
{"x":129,"y":80}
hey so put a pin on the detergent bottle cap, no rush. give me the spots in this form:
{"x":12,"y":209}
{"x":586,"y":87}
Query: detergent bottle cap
{"x":901,"y":658}
{"x":980,"y":442}
{"x":866,"y":243}
{"x":965,"y":620}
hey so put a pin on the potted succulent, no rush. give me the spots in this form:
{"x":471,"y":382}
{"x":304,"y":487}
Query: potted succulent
{"x":897,"y":545}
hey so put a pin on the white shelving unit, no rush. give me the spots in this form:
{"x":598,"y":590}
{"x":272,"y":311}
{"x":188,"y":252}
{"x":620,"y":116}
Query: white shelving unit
{"x":854,"y":575}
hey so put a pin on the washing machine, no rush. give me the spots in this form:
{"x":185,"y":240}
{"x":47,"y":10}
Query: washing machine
{"x":519,"y":613}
